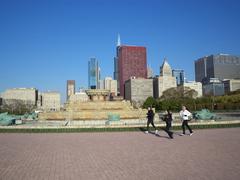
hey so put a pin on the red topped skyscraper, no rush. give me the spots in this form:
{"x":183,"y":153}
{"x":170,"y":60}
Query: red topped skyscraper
{"x":132,"y":62}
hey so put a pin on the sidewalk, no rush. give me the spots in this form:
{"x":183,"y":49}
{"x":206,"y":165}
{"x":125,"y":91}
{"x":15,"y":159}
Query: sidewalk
{"x":207,"y":155}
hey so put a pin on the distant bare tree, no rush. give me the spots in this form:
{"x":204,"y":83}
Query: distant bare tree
{"x":15,"y":106}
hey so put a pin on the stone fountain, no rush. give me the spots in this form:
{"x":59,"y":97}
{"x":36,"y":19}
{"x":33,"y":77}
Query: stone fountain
{"x":97,"y":107}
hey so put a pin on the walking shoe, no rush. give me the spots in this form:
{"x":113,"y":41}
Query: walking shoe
{"x":156,"y":132}
{"x":146,"y":132}
{"x":191,"y":134}
{"x":182,"y":134}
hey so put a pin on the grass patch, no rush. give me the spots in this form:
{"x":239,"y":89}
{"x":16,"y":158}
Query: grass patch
{"x":112,"y":129}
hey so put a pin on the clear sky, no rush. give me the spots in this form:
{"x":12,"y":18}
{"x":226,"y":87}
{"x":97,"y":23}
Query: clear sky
{"x":44,"y":43}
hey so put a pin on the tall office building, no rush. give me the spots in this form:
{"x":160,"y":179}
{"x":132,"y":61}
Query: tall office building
{"x":179,"y":75}
{"x":70,"y":88}
{"x":221,"y":66}
{"x":115,"y":73}
{"x":110,"y":85}
{"x":132,"y":62}
{"x":93,"y":74}
{"x":165,"y":81}
{"x":101,"y":84}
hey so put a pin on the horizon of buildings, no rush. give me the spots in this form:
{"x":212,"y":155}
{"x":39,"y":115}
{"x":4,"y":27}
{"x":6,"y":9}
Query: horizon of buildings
{"x":217,"y":73}
{"x":45,"y":101}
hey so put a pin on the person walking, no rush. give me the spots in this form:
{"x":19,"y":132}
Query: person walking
{"x":150,"y":120}
{"x":168,"y":119}
{"x":185,"y":116}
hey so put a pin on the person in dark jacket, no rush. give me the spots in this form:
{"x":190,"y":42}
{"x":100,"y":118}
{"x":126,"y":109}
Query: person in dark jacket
{"x":150,"y":120}
{"x":168,"y":119}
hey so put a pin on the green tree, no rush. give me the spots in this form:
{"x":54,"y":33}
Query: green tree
{"x":150,"y":102}
{"x":179,"y":92}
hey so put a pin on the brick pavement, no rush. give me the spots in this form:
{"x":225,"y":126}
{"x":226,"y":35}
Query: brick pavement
{"x":208,"y":154}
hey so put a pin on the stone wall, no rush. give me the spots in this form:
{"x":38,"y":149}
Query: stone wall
{"x":138,"y":90}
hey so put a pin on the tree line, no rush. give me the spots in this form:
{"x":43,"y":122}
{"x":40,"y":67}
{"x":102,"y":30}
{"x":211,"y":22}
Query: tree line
{"x":17,"y":107}
{"x":174,"y":98}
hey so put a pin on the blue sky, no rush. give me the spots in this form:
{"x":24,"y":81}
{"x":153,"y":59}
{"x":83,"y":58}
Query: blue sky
{"x":44,"y":43}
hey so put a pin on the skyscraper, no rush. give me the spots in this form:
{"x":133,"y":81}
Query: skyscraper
{"x":70,"y":88}
{"x":93,"y":73}
{"x":132,"y":62}
{"x":179,"y":75}
{"x":116,"y":73}
{"x":165,"y":81}
{"x":110,"y":85}
{"x":221,"y":66}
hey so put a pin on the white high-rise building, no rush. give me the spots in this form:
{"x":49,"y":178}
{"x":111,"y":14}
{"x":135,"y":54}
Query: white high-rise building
{"x":110,"y":85}
{"x":165,"y":81}
{"x":197,"y":86}
{"x":101,"y":84}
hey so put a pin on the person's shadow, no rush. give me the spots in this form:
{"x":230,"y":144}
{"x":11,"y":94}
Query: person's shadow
{"x":153,"y":133}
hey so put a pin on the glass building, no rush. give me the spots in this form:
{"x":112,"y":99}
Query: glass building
{"x":93,"y":74}
{"x":179,"y":75}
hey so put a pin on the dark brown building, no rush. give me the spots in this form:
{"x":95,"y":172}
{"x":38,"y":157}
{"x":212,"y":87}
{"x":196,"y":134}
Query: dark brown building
{"x":132,"y":62}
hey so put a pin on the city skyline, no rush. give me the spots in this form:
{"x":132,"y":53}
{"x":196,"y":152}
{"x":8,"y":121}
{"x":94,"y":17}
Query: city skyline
{"x":43,"y":44}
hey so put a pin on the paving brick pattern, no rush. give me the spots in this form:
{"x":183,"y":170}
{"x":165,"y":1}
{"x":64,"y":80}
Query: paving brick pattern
{"x":208,"y":154}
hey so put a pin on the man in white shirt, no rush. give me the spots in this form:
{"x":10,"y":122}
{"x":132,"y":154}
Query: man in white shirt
{"x":185,"y":116}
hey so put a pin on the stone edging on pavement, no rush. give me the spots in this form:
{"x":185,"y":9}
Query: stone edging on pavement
{"x":161,"y":124}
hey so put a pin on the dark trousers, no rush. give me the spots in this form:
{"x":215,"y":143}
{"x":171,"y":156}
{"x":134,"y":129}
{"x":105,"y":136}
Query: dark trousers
{"x":167,"y":129}
{"x":150,"y":121}
{"x":168,"y":125}
{"x":185,"y":123}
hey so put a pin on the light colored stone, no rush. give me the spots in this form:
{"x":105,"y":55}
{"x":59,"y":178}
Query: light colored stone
{"x":79,"y":96}
{"x":51,"y":101}
{"x":165,"y":81}
{"x":95,"y":110}
{"x":231,"y":85}
{"x":138,"y":90}
{"x":28,"y":95}
{"x":197,"y":86}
